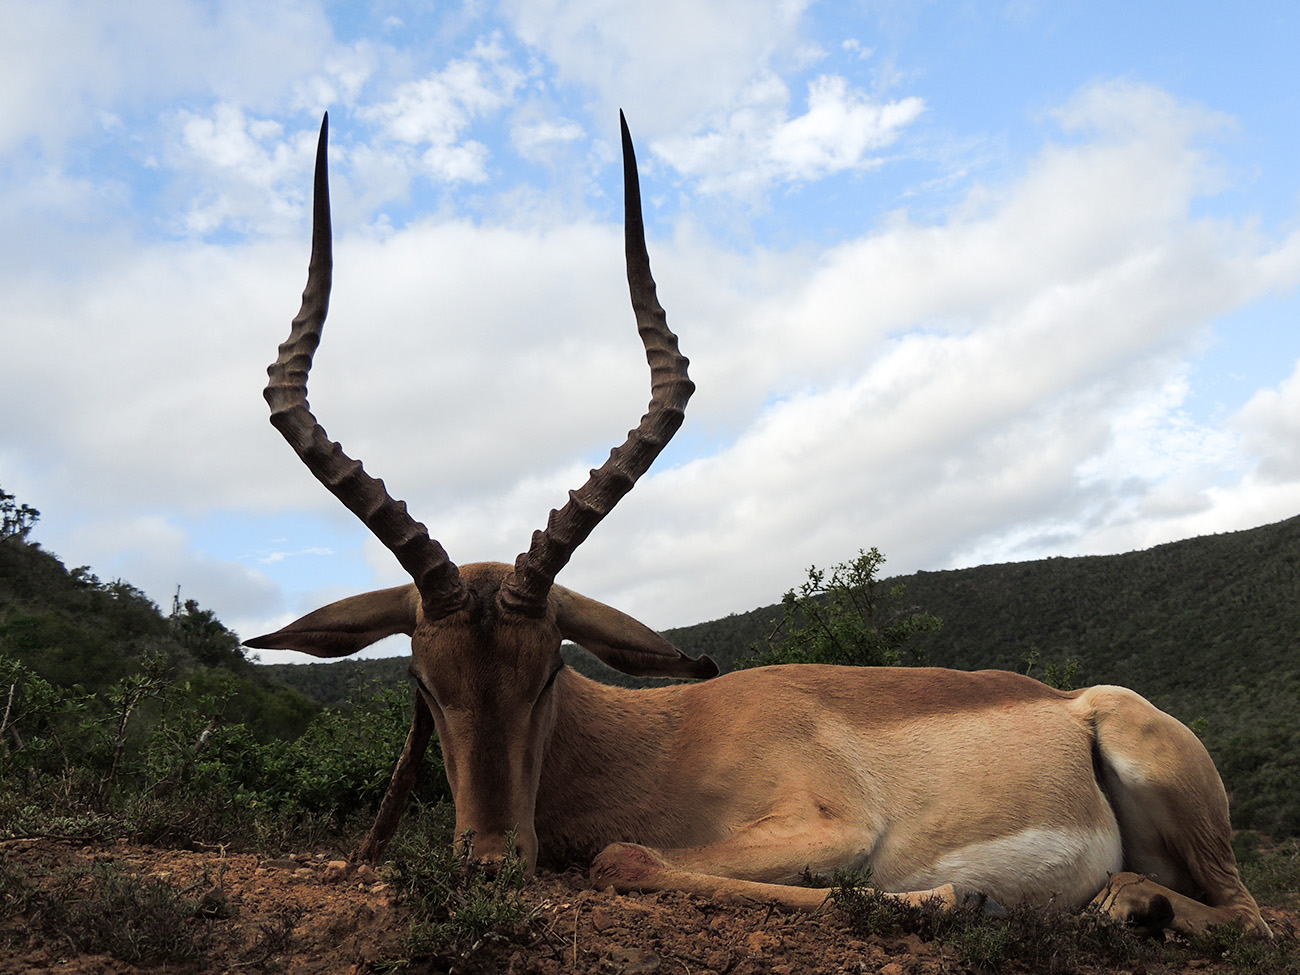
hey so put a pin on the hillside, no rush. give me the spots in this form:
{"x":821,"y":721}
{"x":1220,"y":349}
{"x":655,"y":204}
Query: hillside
{"x":1207,"y":628}
{"x":70,"y":628}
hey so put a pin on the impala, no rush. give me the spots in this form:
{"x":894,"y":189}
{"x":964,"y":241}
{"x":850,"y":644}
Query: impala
{"x":945,"y":783}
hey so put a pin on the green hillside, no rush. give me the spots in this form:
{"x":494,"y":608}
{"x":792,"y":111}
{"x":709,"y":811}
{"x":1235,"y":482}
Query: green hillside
{"x":71,"y":629}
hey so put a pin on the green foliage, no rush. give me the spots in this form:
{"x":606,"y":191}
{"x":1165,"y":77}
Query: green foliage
{"x":69,"y":763}
{"x":1064,"y":677}
{"x":1271,"y":874}
{"x":342,"y":682}
{"x":1037,"y":940}
{"x":456,"y":907}
{"x":104,"y":910}
{"x":75,"y":631}
{"x":848,"y":618}
{"x":16,"y":520}
{"x":1246,"y":954}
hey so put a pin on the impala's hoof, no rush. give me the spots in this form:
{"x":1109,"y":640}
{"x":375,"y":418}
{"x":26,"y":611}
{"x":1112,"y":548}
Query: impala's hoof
{"x":625,"y":865}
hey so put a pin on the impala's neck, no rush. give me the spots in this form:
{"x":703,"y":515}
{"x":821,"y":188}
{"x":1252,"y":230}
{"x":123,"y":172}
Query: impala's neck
{"x":610,"y":772}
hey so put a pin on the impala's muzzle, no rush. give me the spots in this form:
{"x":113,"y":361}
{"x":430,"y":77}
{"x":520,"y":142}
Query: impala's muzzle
{"x":494,"y":770}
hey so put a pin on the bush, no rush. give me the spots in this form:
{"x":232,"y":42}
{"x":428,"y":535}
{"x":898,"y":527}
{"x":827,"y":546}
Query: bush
{"x":456,"y":908}
{"x":157,"y":760}
{"x":846,"y":619}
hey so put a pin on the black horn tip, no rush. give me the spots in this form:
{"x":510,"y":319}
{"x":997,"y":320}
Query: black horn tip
{"x":629,"y":154}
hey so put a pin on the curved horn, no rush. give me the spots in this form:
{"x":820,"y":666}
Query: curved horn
{"x":435,"y":575}
{"x":526,"y":589}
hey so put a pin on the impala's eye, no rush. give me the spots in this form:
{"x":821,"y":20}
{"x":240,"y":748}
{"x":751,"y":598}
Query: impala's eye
{"x":424,"y":688}
{"x":551,"y":680}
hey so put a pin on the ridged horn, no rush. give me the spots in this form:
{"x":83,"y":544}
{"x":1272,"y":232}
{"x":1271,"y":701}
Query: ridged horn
{"x":435,"y":575}
{"x":525,"y":590}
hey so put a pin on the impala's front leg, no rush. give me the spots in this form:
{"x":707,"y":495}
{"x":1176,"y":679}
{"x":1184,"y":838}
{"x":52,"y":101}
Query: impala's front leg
{"x":759,"y":862}
{"x":628,"y":867}
{"x":399,"y":787}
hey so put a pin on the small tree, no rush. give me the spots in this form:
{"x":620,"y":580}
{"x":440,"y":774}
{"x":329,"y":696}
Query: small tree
{"x":16,"y":520}
{"x":848,"y":618}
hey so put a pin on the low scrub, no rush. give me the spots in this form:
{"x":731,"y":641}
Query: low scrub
{"x":1048,"y":941}
{"x":103,"y":910}
{"x":456,"y":908}
{"x":144,"y":760}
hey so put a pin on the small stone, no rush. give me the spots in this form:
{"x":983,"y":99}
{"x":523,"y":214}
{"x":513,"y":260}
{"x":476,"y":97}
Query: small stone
{"x":335,"y":871}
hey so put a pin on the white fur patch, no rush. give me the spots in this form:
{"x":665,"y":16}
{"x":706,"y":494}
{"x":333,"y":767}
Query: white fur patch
{"x":1126,"y":769}
{"x":1068,"y":865}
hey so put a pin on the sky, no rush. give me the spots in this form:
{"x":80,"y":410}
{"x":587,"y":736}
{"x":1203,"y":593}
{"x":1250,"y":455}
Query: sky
{"x":966,"y":282}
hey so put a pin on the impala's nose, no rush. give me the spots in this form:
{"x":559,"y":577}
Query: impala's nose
{"x":488,"y":866}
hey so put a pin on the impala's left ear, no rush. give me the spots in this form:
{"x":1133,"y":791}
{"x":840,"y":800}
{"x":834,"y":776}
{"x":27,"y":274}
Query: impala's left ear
{"x":622,"y":642}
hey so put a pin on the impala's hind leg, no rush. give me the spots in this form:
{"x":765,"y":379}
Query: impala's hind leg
{"x":1172,"y":812}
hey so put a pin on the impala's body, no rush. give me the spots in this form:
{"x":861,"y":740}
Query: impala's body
{"x":937,"y":780}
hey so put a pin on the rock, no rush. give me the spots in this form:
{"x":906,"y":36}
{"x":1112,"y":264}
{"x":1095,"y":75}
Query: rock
{"x":335,"y":871}
{"x":366,"y":874}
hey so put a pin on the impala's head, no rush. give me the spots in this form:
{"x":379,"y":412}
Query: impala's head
{"x":485,"y":638}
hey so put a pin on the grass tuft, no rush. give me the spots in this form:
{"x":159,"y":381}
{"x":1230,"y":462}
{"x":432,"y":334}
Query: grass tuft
{"x":1043,"y":940}
{"x":104,"y":910}
{"x":456,"y":908}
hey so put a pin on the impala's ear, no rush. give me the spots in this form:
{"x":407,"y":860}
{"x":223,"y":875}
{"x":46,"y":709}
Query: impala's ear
{"x":349,"y":625}
{"x":621,"y":641}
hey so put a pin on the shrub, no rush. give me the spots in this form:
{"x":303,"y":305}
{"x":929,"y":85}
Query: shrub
{"x":845,"y":619}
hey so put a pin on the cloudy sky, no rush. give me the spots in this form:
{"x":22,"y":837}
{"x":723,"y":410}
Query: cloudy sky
{"x":969,"y":282}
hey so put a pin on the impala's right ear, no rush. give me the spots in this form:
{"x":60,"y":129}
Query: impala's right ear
{"x":348,"y":625}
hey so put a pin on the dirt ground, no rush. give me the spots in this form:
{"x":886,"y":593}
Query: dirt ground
{"x":300,"y":915}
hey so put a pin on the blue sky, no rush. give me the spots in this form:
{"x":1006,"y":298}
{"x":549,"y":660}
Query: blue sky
{"x":966,"y":282}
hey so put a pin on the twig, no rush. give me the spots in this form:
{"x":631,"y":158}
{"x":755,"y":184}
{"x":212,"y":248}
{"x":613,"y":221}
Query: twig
{"x":577,"y":919}
{"x":4,"y":722}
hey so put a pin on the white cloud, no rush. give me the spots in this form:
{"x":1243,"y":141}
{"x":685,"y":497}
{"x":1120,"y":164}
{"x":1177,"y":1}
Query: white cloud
{"x":250,"y":172}
{"x":1011,"y":377}
{"x":758,"y":144}
{"x":1270,"y":427}
{"x":63,"y":63}
{"x":434,"y":112}
{"x":665,"y":63}
{"x":1014,"y":374}
{"x":533,"y":140}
